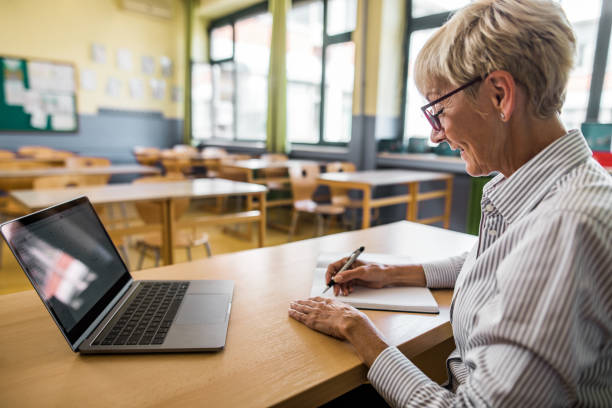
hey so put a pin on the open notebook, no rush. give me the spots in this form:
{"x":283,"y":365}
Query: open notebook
{"x":405,"y":298}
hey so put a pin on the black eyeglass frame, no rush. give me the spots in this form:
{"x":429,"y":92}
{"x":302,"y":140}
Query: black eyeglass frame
{"x":433,"y":118}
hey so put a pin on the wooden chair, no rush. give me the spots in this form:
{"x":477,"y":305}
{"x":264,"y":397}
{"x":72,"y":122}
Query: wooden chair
{"x":79,"y":161}
{"x":82,"y":161}
{"x":43,"y":152}
{"x":185,"y":149}
{"x":176,"y":162}
{"x":303,"y":185}
{"x":150,"y":213}
{"x":340,"y":196}
{"x":147,"y":156}
{"x":34,"y":151}
{"x":6,"y":154}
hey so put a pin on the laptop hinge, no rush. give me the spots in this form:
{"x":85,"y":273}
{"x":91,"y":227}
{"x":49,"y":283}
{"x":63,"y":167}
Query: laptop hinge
{"x":102,"y":315}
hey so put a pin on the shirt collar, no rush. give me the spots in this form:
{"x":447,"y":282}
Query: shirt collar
{"x":527,"y":186}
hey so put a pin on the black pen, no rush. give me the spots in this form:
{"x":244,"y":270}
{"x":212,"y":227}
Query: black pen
{"x":347,"y":265}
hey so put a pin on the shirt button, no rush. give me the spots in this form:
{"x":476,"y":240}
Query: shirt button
{"x":489,"y":208}
{"x":492,"y":233}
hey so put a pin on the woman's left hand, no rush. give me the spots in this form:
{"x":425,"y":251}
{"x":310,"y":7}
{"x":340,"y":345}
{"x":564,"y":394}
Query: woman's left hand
{"x":342,"y":321}
{"x":326,"y":315}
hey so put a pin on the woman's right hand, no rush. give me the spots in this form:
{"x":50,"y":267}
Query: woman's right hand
{"x":368,"y":274}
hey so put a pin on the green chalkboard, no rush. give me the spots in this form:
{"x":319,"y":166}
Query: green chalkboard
{"x":37,"y":95}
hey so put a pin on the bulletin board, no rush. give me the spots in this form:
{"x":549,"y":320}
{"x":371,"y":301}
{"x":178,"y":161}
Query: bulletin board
{"x":37,"y":95}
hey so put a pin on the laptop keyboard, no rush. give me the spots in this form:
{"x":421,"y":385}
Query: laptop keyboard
{"x":148,"y":317}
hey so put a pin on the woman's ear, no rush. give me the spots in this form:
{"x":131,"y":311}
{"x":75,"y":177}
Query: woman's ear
{"x":502,"y":93}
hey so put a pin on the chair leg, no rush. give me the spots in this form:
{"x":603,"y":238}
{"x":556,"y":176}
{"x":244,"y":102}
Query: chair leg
{"x":157,"y":256}
{"x":320,"y":222}
{"x":124,"y":254}
{"x":294,"y":220}
{"x":142,"y":255}
{"x":208,"y":250}
{"x":188,"y":250}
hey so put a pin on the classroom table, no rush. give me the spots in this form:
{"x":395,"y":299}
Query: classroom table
{"x":163,"y":192}
{"x":247,"y":170}
{"x":367,"y":181}
{"x":25,"y":177}
{"x":269,"y":359}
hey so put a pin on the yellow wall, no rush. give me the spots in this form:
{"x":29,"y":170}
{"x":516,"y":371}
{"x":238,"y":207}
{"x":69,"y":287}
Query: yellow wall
{"x":64,"y":30}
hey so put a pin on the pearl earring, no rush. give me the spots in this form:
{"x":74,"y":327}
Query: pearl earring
{"x":502,"y":116}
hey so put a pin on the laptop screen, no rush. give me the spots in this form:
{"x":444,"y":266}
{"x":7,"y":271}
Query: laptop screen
{"x":71,"y":262}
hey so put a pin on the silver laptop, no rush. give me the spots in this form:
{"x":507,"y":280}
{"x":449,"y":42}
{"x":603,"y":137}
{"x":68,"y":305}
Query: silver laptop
{"x":80,"y":277}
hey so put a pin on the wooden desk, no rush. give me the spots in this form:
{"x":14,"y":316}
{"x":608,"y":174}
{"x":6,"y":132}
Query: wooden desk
{"x":9,"y":179}
{"x":269,"y":359}
{"x":248,"y":168}
{"x":366,"y":181}
{"x":161,"y":192}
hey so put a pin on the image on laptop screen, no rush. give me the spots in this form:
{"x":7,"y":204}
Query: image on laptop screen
{"x":69,"y":259}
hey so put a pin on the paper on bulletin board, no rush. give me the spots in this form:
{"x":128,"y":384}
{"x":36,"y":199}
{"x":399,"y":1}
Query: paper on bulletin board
{"x":32,"y":102}
{"x":14,"y":92}
{"x":63,"y":78}
{"x":63,"y":122}
{"x":38,"y":119}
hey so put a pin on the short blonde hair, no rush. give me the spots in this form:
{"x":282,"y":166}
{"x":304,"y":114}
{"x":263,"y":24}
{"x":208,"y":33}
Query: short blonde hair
{"x":531,"y":39}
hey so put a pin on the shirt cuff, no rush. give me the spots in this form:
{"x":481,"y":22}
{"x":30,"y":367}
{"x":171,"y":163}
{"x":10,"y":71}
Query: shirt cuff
{"x":443,"y":274}
{"x":395,"y":377}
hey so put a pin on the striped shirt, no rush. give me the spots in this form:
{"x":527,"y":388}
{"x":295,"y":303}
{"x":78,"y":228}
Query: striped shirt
{"x":532,"y":305}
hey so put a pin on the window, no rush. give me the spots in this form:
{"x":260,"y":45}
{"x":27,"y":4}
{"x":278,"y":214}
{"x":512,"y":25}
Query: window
{"x":320,"y":71}
{"x":584,"y":16}
{"x":230,"y":95}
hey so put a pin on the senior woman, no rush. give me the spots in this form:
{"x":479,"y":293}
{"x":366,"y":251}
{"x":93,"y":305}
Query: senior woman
{"x":532,"y":305}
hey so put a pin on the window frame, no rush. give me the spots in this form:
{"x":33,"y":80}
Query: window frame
{"x":260,"y":8}
{"x":436,"y":20}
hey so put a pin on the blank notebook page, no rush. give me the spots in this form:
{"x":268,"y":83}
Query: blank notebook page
{"x":404,"y":298}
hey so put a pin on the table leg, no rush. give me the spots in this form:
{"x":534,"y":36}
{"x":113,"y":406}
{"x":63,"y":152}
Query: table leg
{"x":262,"y":219}
{"x":167,"y":231}
{"x":367,"y":196}
{"x":448,"y":202}
{"x":413,"y":205}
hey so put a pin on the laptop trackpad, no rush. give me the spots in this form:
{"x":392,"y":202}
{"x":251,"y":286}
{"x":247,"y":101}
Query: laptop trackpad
{"x":203,"y":309}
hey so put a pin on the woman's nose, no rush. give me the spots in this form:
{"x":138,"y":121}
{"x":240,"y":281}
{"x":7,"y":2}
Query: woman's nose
{"x":437,"y":136}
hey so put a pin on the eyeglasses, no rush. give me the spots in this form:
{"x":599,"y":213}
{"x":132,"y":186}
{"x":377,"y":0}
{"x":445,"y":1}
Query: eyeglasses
{"x":432,"y":117}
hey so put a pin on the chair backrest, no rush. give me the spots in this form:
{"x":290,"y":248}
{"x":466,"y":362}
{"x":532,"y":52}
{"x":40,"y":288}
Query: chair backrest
{"x":64,"y":181}
{"x":76,"y":162}
{"x":185,"y":149}
{"x":6,"y":154}
{"x":150,"y":212}
{"x":274,"y":157}
{"x":80,"y":161}
{"x":339,"y":196}
{"x":176,"y":163}
{"x":43,"y":152}
{"x":214,"y":151}
{"x":34,"y":151}
{"x":338,"y":167}
{"x":303,"y":181}
{"x":147,"y":156}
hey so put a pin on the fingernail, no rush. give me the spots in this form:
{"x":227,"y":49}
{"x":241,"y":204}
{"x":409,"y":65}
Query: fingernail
{"x":337,"y":279}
